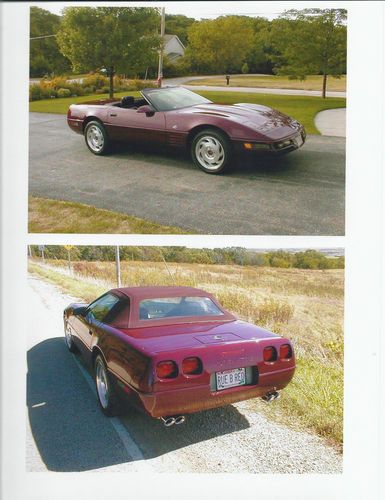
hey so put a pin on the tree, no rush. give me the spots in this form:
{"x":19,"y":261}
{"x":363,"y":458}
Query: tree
{"x":219,"y":45}
{"x":45,"y":57}
{"x":178,"y":25}
{"x":310,"y":41}
{"x":121,"y":39}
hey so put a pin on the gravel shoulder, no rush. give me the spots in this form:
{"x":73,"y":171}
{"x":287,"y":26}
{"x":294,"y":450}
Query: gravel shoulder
{"x":226,"y":440}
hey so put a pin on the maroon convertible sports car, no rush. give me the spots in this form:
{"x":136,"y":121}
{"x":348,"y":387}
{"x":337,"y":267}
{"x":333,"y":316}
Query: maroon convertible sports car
{"x":177,"y":117}
{"x":175,"y":350}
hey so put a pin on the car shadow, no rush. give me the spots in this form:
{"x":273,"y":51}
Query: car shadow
{"x":244,"y":165}
{"x":72,"y":434}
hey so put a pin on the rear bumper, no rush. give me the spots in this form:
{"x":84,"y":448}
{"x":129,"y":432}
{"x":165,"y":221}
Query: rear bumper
{"x":75,"y":125}
{"x":198,"y":398}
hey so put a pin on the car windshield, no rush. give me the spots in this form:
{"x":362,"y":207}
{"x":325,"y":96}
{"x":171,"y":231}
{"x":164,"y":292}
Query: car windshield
{"x":173,"y":98}
{"x":168,"y":307}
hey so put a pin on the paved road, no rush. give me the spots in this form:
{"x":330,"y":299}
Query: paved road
{"x":299,"y":194}
{"x":66,"y":431}
{"x":230,"y":88}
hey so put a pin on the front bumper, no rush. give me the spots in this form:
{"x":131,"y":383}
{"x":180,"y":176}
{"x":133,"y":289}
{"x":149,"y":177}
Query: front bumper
{"x":280,"y":146}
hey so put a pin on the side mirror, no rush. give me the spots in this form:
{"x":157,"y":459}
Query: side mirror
{"x":80,"y":311}
{"x":146,"y":109}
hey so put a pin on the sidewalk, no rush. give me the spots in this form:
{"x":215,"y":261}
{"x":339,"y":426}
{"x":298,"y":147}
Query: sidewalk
{"x":332,"y":122}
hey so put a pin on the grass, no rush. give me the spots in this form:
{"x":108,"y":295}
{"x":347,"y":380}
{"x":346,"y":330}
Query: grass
{"x":52,"y":216}
{"x":302,"y":108}
{"x":312,"y":82}
{"x":304,"y":305}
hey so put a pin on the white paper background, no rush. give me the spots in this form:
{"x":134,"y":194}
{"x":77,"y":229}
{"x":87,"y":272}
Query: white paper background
{"x":364,"y":302}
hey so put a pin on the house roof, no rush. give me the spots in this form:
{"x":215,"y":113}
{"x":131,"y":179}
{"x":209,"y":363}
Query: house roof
{"x":167,"y":38}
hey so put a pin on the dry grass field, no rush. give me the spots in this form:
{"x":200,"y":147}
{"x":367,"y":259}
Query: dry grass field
{"x":304,"y":305}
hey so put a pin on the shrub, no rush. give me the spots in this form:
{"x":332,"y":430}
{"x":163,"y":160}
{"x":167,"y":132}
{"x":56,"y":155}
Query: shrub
{"x":245,"y":68}
{"x":95,"y":81}
{"x":63,"y":93}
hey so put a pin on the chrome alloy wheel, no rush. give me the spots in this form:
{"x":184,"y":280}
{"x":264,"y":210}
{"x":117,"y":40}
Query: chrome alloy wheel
{"x":95,"y":138}
{"x":68,"y":337}
{"x":102,"y":384}
{"x":209,"y":152}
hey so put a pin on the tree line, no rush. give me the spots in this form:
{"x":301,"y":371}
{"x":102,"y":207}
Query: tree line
{"x":297,"y":43}
{"x":308,"y":259}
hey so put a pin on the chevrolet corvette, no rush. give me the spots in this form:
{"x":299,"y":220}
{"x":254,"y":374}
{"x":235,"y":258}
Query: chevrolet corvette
{"x":178,"y":118}
{"x":171,"y":351}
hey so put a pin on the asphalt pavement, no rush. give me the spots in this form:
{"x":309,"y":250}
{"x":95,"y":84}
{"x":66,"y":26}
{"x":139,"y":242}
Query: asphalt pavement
{"x":302,"y":193}
{"x":67,"y":432}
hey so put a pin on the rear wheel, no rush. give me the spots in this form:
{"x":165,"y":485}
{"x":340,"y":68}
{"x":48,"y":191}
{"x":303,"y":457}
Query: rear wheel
{"x":105,"y":389}
{"x":211,"y":151}
{"x":96,"y":138}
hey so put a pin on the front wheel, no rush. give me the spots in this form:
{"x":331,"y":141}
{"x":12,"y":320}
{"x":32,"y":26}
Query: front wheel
{"x":211,"y":151}
{"x":69,"y":339}
{"x":96,"y":138}
{"x":107,"y":396}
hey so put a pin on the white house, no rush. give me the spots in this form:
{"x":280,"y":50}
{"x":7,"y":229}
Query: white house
{"x":173,"y":47}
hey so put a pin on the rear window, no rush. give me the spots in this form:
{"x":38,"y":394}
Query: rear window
{"x":176,"y":307}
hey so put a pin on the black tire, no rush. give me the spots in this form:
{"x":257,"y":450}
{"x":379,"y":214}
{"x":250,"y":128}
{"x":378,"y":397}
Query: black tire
{"x":211,"y":151}
{"x":105,"y":388}
{"x":69,"y":339}
{"x":96,"y":138}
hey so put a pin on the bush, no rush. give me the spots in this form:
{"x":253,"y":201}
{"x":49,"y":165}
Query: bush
{"x":95,"y":81}
{"x":63,"y":93}
{"x":245,"y":68}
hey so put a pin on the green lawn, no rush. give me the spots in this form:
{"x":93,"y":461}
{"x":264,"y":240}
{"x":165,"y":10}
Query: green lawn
{"x":303,"y":108}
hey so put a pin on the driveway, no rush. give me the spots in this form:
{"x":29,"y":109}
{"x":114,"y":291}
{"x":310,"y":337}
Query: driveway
{"x":302,"y":193}
{"x":66,"y":431}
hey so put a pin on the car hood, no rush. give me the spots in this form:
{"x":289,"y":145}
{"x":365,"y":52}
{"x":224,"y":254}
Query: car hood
{"x":256,"y":116}
{"x":191,"y":335}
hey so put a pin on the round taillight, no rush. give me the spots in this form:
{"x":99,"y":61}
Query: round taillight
{"x":285,"y":351}
{"x":192,"y":366}
{"x":166,"y":369}
{"x":269,"y":354}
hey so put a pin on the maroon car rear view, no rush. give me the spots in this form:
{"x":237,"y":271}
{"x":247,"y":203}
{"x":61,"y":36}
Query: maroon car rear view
{"x":179,"y":118}
{"x":174,"y":350}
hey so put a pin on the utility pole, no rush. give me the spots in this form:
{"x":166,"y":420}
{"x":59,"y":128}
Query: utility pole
{"x":160,"y":67}
{"x":117,"y":261}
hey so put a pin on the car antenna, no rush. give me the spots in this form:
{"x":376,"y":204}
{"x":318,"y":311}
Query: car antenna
{"x":168,"y":269}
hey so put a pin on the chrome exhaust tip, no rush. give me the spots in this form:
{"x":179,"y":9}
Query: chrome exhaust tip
{"x":180,"y":420}
{"x":271,"y":396}
{"x":168,"y":421}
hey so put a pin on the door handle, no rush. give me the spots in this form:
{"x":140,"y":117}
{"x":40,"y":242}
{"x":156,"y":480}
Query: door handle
{"x":113,"y":114}
{"x":90,"y":332}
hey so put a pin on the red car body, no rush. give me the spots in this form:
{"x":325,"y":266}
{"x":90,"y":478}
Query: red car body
{"x":136,"y":351}
{"x":174,"y":116}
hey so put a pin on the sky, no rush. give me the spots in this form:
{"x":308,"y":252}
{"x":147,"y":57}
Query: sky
{"x":204,"y":9}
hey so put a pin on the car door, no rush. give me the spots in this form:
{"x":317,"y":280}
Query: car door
{"x":87,"y":325}
{"x":135,"y":126}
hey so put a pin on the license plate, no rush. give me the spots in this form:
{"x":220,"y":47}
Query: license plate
{"x":230,"y":378}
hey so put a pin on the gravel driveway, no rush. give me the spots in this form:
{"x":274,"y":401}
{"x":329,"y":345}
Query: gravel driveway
{"x":229,"y":439}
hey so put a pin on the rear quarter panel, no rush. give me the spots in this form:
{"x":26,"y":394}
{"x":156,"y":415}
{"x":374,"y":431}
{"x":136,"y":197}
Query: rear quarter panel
{"x":78,"y":114}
